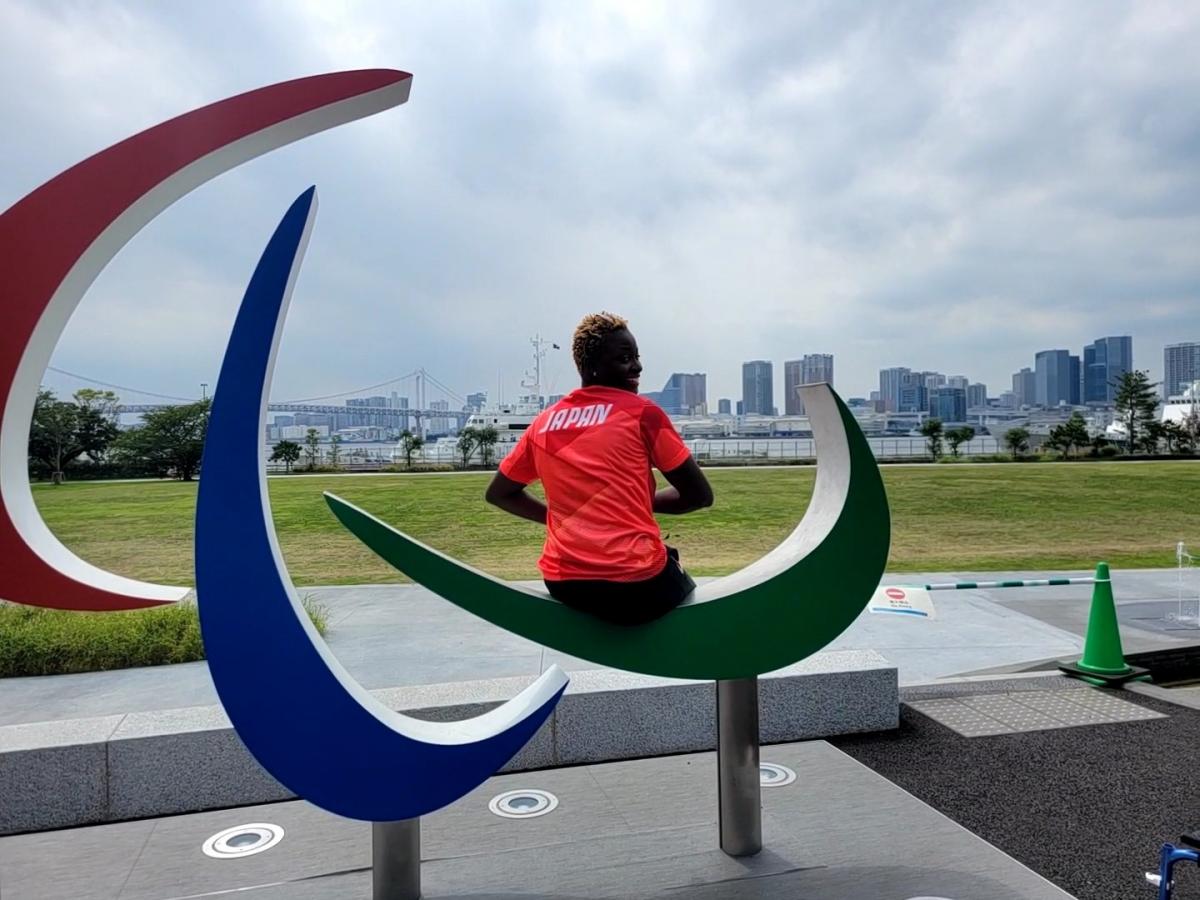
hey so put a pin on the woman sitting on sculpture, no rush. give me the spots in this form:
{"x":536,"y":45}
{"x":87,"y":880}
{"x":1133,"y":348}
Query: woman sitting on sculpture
{"x":593,"y":451}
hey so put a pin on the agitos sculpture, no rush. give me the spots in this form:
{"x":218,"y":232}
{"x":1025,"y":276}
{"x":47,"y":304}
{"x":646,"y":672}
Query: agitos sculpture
{"x":305,"y":710}
{"x":56,"y":240}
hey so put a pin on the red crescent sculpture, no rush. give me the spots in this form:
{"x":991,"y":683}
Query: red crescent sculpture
{"x":55,"y":241}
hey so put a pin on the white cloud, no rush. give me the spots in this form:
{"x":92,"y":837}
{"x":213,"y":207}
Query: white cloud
{"x":949,"y":187}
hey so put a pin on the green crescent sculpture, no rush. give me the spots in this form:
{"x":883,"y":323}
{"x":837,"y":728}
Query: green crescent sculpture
{"x":776,"y":611}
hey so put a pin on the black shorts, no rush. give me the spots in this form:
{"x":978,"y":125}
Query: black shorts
{"x":628,"y":602}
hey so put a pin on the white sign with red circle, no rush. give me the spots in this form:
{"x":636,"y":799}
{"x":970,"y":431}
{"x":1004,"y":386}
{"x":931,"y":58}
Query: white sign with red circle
{"x":914,"y":602}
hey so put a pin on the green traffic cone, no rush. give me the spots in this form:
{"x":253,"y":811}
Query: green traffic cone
{"x":1102,"y":661}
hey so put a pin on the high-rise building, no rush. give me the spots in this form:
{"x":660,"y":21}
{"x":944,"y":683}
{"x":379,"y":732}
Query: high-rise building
{"x":741,"y":408}
{"x":958,"y":381}
{"x":683,"y":395}
{"x":890,"y":383}
{"x":1024,"y":388}
{"x":914,"y":392}
{"x":1105,"y":361}
{"x":440,"y":424}
{"x":933,"y":380}
{"x":758,"y":395}
{"x":948,"y":403}
{"x":792,"y":378}
{"x":976,"y":395}
{"x":1052,"y":377}
{"x":724,"y":407}
{"x":1074,"y":380}
{"x":813,"y":368}
{"x":693,"y":391}
{"x":476,"y":401}
{"x":1181,"y":367}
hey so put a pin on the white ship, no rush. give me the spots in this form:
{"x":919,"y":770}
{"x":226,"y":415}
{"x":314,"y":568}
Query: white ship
{"x":509,"y":419}
{"x":1180,"y":406}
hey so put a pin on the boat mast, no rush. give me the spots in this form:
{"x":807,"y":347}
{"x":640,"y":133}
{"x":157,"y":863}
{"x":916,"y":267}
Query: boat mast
{"x":539,"y":353}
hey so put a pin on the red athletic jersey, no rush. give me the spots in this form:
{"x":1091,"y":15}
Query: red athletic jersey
{"x":593,"y":451}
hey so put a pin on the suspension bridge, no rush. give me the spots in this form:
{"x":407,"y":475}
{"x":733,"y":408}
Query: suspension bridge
{"x":425,"y":400}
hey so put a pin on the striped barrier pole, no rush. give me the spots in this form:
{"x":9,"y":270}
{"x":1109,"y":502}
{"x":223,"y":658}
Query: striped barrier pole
{"x":1030,"y":582}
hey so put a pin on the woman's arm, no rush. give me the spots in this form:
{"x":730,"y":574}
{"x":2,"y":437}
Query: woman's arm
{"x":688,"y":492}
{"x":510,"y":496}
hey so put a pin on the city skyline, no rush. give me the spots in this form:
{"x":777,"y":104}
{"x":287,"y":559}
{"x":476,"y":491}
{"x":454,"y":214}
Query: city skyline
{"x":983,"y":180}
{"x":684,"y":391}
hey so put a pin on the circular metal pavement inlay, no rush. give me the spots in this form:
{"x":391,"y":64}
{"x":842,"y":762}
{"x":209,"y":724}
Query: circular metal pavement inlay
{"x":774,"y":775}
{"x":243,"y":840}
{"x":523,"y":804}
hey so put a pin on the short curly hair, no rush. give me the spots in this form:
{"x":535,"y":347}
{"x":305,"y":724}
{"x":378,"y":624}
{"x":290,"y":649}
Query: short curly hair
{"x":589,"y":334}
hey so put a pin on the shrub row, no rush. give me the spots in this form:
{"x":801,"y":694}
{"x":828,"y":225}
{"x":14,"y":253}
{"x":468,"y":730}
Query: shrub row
{"x":35,"y":641}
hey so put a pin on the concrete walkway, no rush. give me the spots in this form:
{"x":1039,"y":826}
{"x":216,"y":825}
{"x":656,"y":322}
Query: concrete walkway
{"x":397,"y":635}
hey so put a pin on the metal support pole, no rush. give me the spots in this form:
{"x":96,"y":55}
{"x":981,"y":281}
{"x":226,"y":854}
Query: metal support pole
{"x":396,"y":860}
{"x":739,"y":793}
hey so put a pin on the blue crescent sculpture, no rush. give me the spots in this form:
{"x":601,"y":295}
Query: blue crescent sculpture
{"x":298,"y":711}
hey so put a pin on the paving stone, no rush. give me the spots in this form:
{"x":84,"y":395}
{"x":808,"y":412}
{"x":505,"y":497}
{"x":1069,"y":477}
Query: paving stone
{"x":1018,"y":711}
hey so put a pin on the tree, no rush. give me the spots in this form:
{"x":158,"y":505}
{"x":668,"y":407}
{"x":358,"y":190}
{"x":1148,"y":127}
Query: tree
{"x":468,"y":441}
{"x":1017,"y":440}
{"x":1074,"y":433}
{"x":286,"y":452}
{"x":409,"y":444}
{"x":61,"y":432}
{"x":1057,"y":440}
{"x":96,"y":427}
{"x":335,"y":450}
{"x":170,"y":441}
{"x":1190,"y":426}
{"x":1136,"y":403}
{"x":1176,"y":437}
{"x":488,"y":436}
{"x":1069,"y":435}
{"x":53,"y":434}
{"x":312,"y":447}
{"x":1153,"y":432}
{"x":931,"y":429}
{"x":958,"y":436}
{"x":1188,"y":435}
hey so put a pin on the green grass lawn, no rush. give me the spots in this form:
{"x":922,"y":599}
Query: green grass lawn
{"x":969,"y":518}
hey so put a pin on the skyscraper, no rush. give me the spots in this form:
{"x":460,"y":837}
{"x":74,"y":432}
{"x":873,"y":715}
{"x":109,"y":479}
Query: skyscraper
{"x":1181,"y":366}
{"x":758,"y":395}
{"x":1024,"y":388}
{"x":684,"y":394}
{"x":976,"y":395}
{"x":890,"y":383}
{"x":958,"y":381}
{"x":948,"y":404}
{"x":1104,"y":361}
{"x":813,"y":368}
{"x":724,"y":407}
{"x":1052,"y":377}
{"x":914,"y":392}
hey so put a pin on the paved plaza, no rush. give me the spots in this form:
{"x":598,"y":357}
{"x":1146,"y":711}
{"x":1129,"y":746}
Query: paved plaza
{"x":992,"y":771}
{"x":398,"y":635}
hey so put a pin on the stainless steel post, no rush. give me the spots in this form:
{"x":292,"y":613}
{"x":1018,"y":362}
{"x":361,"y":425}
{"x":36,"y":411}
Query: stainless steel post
{"x":739,"y":793}
{"x":396,"y":860}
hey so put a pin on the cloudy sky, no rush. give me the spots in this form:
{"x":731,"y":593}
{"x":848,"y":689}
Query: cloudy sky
{"x":947,"y":186}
